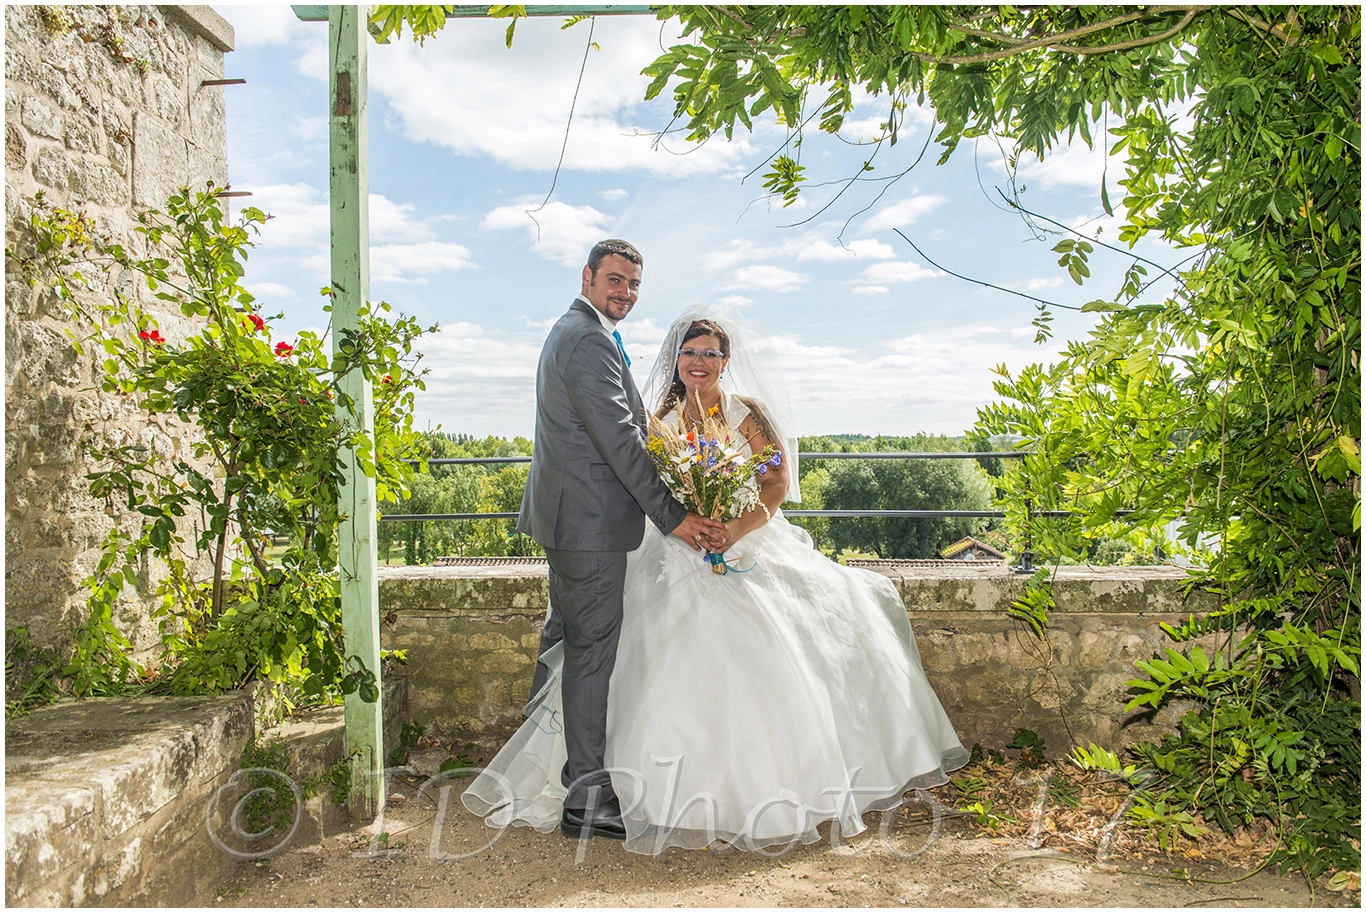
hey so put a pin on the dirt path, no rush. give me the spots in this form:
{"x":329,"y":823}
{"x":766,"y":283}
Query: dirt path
{"x":958,"y":868}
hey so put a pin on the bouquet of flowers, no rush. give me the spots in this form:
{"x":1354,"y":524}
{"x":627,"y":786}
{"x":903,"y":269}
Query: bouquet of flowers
{"x":707,"y":468}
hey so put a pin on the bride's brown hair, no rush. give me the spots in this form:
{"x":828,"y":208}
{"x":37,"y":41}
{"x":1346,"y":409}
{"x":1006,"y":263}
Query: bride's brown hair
{"x":695,"y":329}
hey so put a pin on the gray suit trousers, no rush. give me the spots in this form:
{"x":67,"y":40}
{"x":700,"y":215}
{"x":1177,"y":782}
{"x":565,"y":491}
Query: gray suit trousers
{"x":586,"y":604}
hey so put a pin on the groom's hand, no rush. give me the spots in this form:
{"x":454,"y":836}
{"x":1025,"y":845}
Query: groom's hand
{"x":700,"y":532}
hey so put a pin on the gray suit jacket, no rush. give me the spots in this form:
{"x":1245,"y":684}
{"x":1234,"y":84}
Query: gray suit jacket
{"x":592,"y":482}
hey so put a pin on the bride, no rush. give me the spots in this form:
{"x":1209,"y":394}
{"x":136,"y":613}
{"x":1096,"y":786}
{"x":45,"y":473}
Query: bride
{"x":752,"y":706}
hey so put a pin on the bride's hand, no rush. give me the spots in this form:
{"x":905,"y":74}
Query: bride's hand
{"x":734,"y":532}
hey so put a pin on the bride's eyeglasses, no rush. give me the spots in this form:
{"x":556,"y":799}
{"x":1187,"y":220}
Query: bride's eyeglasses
{"x":708,"y":354}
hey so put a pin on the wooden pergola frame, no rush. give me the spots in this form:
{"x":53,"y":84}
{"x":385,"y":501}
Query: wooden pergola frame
{"x":349,"y":193}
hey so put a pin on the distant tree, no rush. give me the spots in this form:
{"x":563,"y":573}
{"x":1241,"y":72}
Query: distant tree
{"x":499,"y":492}
{"x":815,"y":481}
{"x":905,"y":485}
{"x":458,"y":490}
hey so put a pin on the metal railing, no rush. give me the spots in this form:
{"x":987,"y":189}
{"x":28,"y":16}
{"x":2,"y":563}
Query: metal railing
{"x":1026,"y":564}
{"x":886,"y":455}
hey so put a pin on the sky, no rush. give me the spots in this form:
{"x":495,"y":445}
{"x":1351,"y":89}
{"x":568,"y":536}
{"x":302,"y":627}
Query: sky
{"x":473,"y":230}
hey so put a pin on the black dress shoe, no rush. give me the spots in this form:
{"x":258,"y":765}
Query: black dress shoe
{"x":605,"y":821}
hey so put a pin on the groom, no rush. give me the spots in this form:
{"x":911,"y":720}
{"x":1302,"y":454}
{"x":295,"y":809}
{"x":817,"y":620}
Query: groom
{"x":592,"y":484}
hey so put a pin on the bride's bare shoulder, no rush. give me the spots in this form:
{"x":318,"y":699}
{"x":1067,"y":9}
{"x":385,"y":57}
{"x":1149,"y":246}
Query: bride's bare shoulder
{"x":751,"y":403}
{"x":756,"y":422}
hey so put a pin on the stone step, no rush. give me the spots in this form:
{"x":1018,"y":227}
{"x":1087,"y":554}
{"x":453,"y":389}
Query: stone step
{"x":106,"y":799}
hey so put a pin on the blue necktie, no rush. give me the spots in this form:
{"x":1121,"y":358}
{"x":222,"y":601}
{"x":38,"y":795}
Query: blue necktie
{"x":617,"y":337}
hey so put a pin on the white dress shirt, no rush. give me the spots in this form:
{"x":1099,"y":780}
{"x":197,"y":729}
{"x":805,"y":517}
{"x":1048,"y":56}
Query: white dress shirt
{"x":607,"y":322}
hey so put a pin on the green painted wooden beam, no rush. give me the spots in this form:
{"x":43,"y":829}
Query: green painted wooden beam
{"x":357,"y":551}
{"x":319,"y":13}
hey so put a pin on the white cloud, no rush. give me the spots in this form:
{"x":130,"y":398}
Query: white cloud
{"x":265,"y":291}
{"x":565,"y":234}
{"x":903,"y":213}
{"x":643,"y":335}
{"x":1073,"y":166}
{"x":300,"y":216}
{"x":1039,"y":284}
{"x":481,"y":98}
{"x":269,"y":25}
{"x":739,"y":250}
{"x":928,"y":381}
{"x":870,"y":290}
{"x":413,"y":263}
{"x":869,"y":116}
{"x":809,"y":246}
{"x":480,"y":380}
{"x":896,"y":272}
{"x":735,"y":301}
{"x":405,"y":247}
{"x":616,"y":193}
{"x":865,"y":249}
{"x":483,"y":380}
{"x":865,"y":128}
{"x":396,"y":222}
{"x":768,"y":278}
{"x":310,"y":128}
{"x":1099,"y":224}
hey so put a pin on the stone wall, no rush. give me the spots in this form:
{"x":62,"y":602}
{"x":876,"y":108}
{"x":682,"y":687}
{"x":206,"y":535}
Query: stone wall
{"x":105,"y":799}
{"x":471,"y":636}
{"x":108,"y":116}
{"x":108,"y":800}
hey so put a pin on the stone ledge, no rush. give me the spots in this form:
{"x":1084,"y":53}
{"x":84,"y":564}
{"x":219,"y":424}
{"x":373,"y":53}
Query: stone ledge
{"x":523,"y":589}
{"x":105,"y":799}
{"x":203,"y":20}
{"x":89,"y":784}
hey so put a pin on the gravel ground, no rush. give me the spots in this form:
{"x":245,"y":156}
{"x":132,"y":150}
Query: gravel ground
{"x":960,"y":867}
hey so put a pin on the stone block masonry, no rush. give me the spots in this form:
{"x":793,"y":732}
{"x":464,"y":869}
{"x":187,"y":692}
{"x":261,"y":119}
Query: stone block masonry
{"x":111,"y":125}
{"x":471,"y":635}
{"x":106,"y":799}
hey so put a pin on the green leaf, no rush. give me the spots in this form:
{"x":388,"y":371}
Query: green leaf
{"x":1332,"y":147}
{"x":1100,"y":305}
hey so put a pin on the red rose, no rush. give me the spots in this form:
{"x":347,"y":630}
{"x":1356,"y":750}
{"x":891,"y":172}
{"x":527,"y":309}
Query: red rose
{"x":256,"y":321}
{"x":152,"y":336}
{"x":284,"y":349}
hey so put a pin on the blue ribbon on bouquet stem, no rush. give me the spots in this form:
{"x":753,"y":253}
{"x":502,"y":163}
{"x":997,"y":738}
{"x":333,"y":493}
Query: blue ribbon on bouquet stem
{"x":718,"y":559}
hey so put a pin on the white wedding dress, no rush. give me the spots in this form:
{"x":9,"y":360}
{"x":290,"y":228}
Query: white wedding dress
{"x":746,"y":707}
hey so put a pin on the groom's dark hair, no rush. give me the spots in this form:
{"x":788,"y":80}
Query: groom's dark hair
{"x":604,"y":249}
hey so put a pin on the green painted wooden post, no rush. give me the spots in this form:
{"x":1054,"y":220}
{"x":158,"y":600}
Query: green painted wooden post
{"x":346,"y":57}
